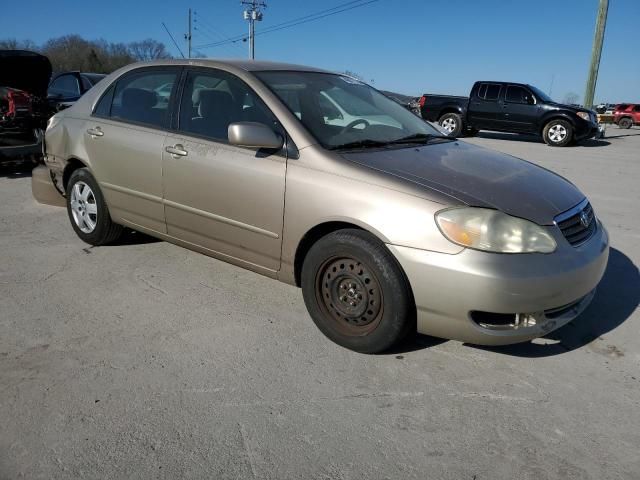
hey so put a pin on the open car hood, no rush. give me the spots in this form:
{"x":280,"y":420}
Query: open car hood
{"x":25,"y":70}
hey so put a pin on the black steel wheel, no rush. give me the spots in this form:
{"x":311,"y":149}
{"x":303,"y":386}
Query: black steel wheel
{"x":356,"y":292}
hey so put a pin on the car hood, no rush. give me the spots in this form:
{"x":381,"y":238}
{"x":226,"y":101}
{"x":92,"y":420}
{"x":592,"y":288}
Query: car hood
{"x":24,"y":70}
{"x":478,"y":177}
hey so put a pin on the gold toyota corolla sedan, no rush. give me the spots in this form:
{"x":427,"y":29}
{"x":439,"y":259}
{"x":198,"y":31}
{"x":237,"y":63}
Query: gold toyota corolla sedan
{"x":320,"y":181}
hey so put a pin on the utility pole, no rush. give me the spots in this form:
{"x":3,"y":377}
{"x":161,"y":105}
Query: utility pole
{"x":253,"y":15}
{"x":187,"y":37}
{"x":596,"y":52}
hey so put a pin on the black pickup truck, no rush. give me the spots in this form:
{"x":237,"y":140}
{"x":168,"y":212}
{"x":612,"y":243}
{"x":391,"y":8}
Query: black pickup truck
{"x":509,"y":107}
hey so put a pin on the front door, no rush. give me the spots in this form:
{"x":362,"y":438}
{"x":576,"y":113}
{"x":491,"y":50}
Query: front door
{"x":520,"y":112}
{"x":227,"y":199}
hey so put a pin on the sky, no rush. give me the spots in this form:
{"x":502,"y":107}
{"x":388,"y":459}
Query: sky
{"x":410,"y":46}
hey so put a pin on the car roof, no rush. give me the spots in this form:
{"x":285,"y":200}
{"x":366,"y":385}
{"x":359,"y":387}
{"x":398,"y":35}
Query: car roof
{"x":247,"y":65}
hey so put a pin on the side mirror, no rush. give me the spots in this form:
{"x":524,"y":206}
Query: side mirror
{"x":254,"y":135}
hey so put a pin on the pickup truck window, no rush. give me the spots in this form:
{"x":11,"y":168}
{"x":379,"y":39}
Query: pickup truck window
{"x":517,"y":94}
{"x":489,"y":91}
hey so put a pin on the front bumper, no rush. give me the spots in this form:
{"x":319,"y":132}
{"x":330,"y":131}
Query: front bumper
{"x":555,"y":287}
{"x":586,"y":130}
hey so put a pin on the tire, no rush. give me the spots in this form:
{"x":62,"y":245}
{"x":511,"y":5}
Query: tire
{"x":558,"y":133}
{"x":356,"y":292}
{"x":88,"y":211}
{"x":625,"y":123}
{"x":452,"y":123}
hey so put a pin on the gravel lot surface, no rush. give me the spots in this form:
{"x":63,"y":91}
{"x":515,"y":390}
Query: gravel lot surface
{"x":145,"y":360}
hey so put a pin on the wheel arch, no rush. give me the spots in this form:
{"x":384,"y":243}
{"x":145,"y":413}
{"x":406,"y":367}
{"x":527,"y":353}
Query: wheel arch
{"x":555,"y":116}
{"x":71,"y":166}
{"x":321,"y":230}
{"x":450,"y":109}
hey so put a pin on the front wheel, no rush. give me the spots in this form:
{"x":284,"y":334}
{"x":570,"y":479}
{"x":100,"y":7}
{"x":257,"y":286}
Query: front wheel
{"x":558,"y":133}
{"x":452,"y":124}
{"x":88,"y":211}
{"x":356,"y":293}
{"x":625,"y":123}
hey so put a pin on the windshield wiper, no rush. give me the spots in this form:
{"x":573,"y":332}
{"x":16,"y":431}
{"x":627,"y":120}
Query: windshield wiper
{"x":419,"y":138}
{"x":366,"y":143}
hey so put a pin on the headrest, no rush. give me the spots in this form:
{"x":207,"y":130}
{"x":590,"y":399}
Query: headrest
{"x":139,"y":99}
{"x":214,"y":101}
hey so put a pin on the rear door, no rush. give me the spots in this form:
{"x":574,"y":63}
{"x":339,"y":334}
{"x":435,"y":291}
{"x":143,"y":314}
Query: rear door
{"x":124,"y":140}
{"x":484,"y":111}
{"x":224,"y":198}
{"x":520,"y":111}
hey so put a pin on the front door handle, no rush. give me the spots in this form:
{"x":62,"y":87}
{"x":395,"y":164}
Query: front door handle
{"x":95,"y":132}
{"x":177,"y":151}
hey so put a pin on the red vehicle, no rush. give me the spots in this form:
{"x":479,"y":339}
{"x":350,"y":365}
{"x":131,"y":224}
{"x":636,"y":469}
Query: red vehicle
{"x":627,"y":115}
{"x":24,"y":109}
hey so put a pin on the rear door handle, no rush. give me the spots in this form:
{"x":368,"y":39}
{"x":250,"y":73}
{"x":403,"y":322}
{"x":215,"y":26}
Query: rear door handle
{"x":95,"y":132}
{"x":177,"y":151}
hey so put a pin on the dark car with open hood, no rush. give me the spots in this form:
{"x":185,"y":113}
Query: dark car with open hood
{"x":24,"y":109}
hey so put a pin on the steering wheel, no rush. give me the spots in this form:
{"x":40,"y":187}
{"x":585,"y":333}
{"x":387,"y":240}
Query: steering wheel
{"x":353,"y":124}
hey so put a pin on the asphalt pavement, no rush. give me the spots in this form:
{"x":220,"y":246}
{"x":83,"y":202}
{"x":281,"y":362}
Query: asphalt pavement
{"x":145,"y":360}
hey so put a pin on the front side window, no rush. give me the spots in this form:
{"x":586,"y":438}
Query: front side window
{"x":517,"y":94}
{"x":214,"y":99}
{"x":338,"y":110}
{"x":141,"y":97}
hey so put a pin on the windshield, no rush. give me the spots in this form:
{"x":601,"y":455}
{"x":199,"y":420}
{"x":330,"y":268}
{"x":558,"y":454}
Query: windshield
{"x":540,"y":94}
{"x":340,"y":111}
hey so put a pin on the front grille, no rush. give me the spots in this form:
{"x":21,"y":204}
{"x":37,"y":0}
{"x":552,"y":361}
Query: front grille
{"x":578,"y":224}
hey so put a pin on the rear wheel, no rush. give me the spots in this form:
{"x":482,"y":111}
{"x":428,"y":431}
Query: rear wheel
{"x":452,"y":124}
{"x":625,"y":122}
{"x":558,"y":133}
{"x":356,"y":292}
{"x":88,"y":211}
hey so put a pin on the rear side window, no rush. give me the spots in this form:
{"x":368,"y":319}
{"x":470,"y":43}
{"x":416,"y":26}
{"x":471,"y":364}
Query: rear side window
{"x":636,"y":108}
{"x":141,"y":97}
{"x":489,"y":91}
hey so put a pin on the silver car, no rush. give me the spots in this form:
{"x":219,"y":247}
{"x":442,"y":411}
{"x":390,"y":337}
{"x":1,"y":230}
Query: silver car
{"x":387,"y":225}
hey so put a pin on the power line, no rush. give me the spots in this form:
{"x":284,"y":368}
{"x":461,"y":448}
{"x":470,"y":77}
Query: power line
{"x":290,"y":22}
{"x":173,"y":39}
{"x":207,"y":31}
{"x":297,"y":21}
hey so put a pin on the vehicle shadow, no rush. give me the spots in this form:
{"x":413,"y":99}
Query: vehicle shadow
{"x":519,"y":137}
{"x":616,"y":299}
{"x":16,"y":170}
{"x":523,"y":137}
{"x":132,"y":237}
{"x":592,"y":142}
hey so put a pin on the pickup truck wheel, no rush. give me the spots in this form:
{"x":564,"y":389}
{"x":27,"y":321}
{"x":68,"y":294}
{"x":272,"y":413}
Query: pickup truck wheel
{"x":452,"y":124}
{"x":88,"y":211}
{"x":558,"y":133}
{"x":625,"y":122}
{"x":356,"y":293}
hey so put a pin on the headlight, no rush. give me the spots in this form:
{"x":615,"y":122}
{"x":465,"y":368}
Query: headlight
{"x":493,"y":231}
{"x":584,"y":116}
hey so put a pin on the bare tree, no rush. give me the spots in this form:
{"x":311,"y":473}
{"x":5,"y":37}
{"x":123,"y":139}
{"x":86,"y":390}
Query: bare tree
{"x":571,"y":98}
{"x":148,"y":49}
{"x":72,"y":52}
{"x":14,"y":44}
